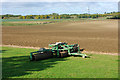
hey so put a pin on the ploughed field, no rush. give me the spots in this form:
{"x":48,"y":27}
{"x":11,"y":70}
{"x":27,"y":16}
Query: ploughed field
{"x":93,"y":35}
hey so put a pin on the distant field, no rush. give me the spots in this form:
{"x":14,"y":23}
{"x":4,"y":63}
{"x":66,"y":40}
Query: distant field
{"x":16,"y":64}
{"x":93,"y":35}
{"x":24,"y":22}
{"x":27,"y":22}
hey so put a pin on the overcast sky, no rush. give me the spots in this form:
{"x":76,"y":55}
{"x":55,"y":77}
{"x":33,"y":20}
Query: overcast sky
{"x":36,"y":8}
{"x":60,"y":0}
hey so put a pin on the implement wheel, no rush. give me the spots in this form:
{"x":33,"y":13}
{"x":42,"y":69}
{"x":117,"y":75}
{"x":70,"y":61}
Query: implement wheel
{"x":33,"y":58}
{"x":63,"y":54}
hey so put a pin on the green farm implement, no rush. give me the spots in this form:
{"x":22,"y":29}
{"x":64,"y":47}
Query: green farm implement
{"x":57,"y":49}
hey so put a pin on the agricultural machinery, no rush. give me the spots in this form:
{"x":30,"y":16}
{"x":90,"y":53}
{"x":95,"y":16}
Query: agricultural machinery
{"x":58,"y":49}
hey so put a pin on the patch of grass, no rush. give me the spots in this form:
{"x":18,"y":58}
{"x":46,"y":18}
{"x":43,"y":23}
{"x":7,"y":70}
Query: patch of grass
{"x":13,"y":20}
{"x":16,"y":64}
{"x":17,"y":24}
{"x":8,"y":22}
{"x":21,"y":22}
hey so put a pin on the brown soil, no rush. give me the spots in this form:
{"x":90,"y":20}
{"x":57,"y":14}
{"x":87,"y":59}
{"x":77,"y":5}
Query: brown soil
{"x":99,"y":36}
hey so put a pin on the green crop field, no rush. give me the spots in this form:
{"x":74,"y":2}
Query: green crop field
{"x":16,"y":64}
{"x":21,"y":22}
{"x":30,"y":22}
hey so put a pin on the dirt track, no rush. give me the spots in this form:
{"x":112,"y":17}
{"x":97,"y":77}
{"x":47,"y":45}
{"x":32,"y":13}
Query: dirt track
{"x":99,"y":36}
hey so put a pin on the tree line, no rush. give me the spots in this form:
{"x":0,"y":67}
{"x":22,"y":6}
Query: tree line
{"x":111,"y":15}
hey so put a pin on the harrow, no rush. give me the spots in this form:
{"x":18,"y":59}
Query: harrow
{"x":59,"y":50}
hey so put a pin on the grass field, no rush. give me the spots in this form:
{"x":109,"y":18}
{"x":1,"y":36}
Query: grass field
{"x":93,"y":35}
{"x":29,"y":22}
{"x":16,"y":64}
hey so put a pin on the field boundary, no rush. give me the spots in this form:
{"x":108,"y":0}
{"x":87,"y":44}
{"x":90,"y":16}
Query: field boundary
{"x":89,"y":52}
